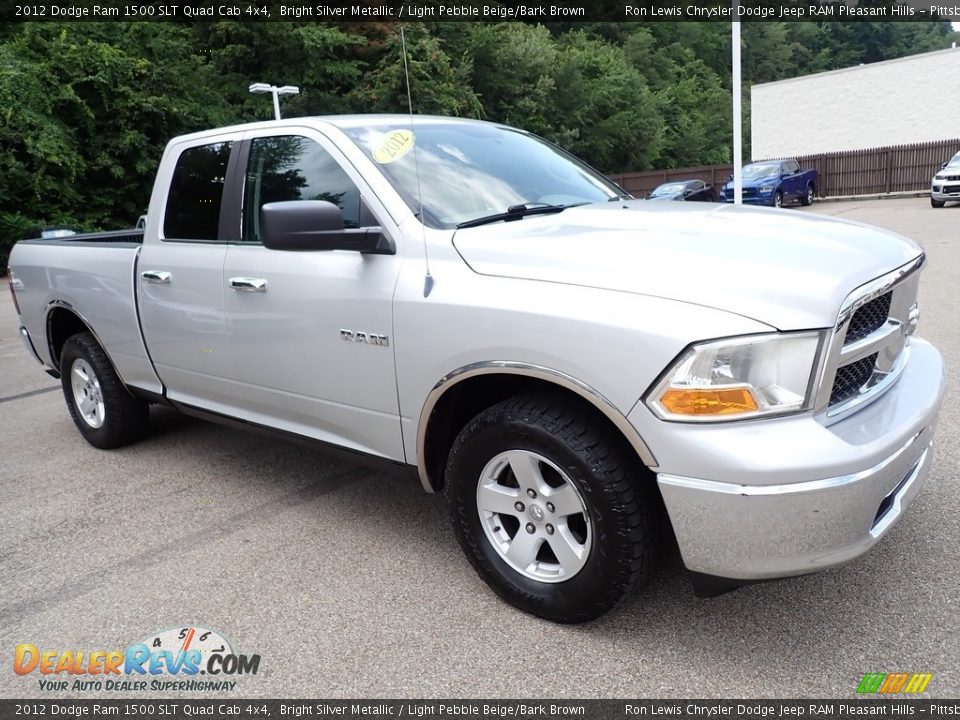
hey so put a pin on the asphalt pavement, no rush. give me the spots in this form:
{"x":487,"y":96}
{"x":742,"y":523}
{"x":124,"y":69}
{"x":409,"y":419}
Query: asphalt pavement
{"x":348,"y":581}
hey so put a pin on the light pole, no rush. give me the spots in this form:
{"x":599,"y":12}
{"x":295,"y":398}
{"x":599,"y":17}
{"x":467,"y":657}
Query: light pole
{"x":737,"y":118}
{"x":276,"y":92}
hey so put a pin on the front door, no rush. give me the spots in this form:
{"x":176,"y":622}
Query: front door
{"x":310,"y":332}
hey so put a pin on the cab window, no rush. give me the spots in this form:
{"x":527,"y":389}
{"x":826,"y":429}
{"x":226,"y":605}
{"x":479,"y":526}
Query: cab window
{"x":292,"y":167}
{"x":196,"y":192}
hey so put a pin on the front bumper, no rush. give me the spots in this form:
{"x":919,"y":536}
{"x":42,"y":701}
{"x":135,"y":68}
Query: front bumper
{"x":764,"y":200}
{"x":787,"y":496}
{"x":945,"y":191}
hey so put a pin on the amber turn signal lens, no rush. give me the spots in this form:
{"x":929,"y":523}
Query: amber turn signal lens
{"x":708,"y":401}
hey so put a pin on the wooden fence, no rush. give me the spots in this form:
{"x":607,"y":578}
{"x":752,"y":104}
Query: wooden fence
{"x":898,"y":168}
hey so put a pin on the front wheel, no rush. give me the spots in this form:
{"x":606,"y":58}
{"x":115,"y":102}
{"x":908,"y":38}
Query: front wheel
{"x":936,"y":203}
{"x":102,"y":408}
{"x":778,"y":199}
{"x":556,"y":518}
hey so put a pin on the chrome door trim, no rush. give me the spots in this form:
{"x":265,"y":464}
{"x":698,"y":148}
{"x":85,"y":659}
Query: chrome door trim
{"x":510,"y":367}
{"x":158,"y":277}
{"x":248,"y":284}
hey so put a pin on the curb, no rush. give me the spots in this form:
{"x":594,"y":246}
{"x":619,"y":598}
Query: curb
{"x":875,"y":196}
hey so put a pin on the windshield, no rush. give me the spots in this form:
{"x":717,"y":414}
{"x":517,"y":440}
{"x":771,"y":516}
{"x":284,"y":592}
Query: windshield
{"x":668,"y":189}
{"x":761,"y":170}
{"x":954,"y":161}
{"x":473,"y":170}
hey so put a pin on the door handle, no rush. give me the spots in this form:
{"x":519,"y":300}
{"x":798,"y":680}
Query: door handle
{"x":248,"y":284}
{"x":159,"y":277}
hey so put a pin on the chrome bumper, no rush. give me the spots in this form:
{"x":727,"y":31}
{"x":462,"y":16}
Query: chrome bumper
{"x":946,"y":197}
{"x":28,"y":343}
{"x":776,"y":524}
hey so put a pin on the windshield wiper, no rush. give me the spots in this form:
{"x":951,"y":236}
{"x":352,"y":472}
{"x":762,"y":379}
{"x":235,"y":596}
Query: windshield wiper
{"x":515,"y":212}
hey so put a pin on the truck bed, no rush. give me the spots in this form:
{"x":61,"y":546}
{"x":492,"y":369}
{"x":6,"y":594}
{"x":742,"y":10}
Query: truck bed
{"x":122,"y":237}
{"x":91,"y":275}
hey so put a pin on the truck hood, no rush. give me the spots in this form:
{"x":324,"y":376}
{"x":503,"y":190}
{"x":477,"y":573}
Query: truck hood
{"x":787,"y":269}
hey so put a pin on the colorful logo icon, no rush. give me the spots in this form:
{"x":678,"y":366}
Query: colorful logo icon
{"x":894,"y":683}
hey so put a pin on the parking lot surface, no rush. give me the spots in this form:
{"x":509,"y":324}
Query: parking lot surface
{"x":348,"y":582}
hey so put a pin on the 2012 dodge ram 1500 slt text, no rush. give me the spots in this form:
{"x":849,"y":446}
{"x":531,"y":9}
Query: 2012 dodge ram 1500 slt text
{"x":562,"y":361}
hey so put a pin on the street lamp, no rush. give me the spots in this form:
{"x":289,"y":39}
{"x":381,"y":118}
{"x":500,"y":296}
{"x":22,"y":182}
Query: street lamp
{"x":276,"y":92}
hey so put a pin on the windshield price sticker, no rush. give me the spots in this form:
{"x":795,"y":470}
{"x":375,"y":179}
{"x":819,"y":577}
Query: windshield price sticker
{"x":392,"y":146}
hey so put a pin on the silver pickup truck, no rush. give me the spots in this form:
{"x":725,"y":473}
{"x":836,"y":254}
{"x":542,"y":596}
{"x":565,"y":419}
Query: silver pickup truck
{"x":581,"y":373}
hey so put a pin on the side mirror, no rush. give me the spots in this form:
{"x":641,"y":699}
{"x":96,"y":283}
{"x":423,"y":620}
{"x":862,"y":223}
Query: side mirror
{"x":943,"y":165}
{"x":317,"y":225}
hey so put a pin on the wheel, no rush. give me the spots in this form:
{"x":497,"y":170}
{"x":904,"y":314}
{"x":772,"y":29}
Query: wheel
{"x":102,"y":408}
{"x":556,"y":517}
{"x":807,"y":199}
{"x":937,"y":203}
{"x":778,"y":199}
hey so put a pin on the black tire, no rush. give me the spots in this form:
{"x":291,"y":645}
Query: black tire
{"x":807,"y":199}
{"x":937,"y":203}
{"x":124,"y":418}
{"x":778,"y":199}
{"x":622,"y":505}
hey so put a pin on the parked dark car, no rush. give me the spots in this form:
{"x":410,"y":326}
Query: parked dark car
{"x":690,"y":190}
{"x":773,"y":183}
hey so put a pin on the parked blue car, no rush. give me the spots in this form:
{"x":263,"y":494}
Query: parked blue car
{"x":773,"y":183}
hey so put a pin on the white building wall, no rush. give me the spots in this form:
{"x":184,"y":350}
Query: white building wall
{"x":909,"y":100}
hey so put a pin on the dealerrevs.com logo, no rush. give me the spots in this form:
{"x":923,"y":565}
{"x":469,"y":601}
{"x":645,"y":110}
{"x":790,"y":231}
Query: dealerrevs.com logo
{"x":167,"y":661}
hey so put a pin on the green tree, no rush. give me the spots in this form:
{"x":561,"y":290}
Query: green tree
{"x":438,"y":85}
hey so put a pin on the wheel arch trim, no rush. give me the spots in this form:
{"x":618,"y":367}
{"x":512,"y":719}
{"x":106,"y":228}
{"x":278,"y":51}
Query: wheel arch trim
{"x":539,"y":372}
{"x":48,"y":319}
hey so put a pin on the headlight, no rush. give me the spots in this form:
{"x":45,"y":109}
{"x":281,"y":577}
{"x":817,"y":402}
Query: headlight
{"x":739,"y":378}
{"x":766,"y":189}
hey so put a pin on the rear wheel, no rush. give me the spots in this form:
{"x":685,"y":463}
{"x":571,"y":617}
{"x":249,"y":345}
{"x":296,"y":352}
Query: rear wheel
{"x":556,"y":518}
{"x":102,"y":408}
{"x":937,"y":203}
{"x":807,"y":198}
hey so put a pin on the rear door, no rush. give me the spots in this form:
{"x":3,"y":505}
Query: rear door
{"x":310,"y":332}
{"x":180,"y":270}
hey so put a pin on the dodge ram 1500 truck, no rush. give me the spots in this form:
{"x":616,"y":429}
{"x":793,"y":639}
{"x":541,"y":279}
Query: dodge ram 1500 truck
{"x":561,"y":360}
{"x":773,"y":183}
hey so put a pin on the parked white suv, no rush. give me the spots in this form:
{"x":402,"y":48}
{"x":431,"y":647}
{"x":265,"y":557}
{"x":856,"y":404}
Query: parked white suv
{"x":945,"y":185}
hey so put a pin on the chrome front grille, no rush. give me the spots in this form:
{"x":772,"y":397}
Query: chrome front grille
{"x":869,"y":346}
{"x":850,"y":378}
{"x":869,"y":318}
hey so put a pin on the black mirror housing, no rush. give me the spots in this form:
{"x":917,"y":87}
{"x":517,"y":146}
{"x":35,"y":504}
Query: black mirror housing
{"x":310,"y":225}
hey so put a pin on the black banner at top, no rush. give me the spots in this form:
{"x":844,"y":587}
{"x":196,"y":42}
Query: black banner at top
{"x":352,"y":11}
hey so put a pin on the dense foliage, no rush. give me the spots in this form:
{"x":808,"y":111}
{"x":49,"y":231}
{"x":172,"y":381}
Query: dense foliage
{"x":86,"y":108}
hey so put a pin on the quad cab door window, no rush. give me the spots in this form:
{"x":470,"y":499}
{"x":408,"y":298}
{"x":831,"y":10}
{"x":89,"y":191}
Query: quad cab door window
{"x":291,"y":167}
{"x":289,"y":311}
